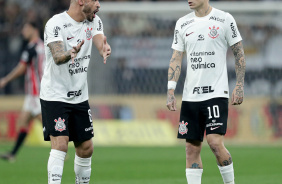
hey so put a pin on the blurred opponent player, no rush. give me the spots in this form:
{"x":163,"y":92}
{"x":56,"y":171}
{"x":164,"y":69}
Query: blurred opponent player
{"x":66,"y":113}
{"x":205,"y":35}
{"x":32,"y":65}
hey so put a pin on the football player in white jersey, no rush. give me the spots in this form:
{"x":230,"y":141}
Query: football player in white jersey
{"x":66,"y":115}
{"x":205,"y":35}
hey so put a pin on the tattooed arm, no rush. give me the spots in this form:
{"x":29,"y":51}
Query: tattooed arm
{"x":240,"y":65}
{"x":59,"y":54}
{"x":174,"y":71}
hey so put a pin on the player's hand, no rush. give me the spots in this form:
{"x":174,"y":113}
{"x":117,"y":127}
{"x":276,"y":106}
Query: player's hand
{"x":106,"y":50}
{"x":171,"y":100}
{"x":3,"y":83}
{"x":75,"y":50}
{"x":237,"y":95}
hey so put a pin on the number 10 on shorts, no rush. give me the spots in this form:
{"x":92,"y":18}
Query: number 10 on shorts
{"x":215,"y":110}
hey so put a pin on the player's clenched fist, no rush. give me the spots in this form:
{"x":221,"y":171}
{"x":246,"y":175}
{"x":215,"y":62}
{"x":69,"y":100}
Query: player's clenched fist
{"x":171,"y":100}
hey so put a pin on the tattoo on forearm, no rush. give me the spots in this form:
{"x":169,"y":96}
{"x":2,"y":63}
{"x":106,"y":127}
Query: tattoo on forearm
{"x":240,"y":67}
{"x":240,"y":64}
{"x":195,"y":166}
{"x":60,"y":56}
{"x":174,"y":73}
{"x":175,"y":66}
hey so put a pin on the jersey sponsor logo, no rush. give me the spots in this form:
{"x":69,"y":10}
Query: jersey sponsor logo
{"x":66,"y":25}
{"x":78,"y":70}
{"x":189,"y":34}
{"x":100,"y":26}
{"x":176,"y":37}
{"x":203,"y":53}
{"x":234,"y":31}
{"x":88,"y":33}
{"x":217,"y":19}
{"x":60,"y":124}
{"x":183,"y":128}
{"x":214,"y":124}
{"x":213,"y":32}
{"x":203,"y":90}
{"x":187,"y":23}
{"x":202,"y":66}
{"x":76,"y":67}
{"x":56,"y":31}
{"x":201,"y":37}
{"x":196,"y":60}
{"x":74,"y":93}
{"x":68,"y":38}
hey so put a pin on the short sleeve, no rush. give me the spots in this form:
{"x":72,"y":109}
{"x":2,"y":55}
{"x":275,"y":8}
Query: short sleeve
{"x":27,"y":56}
{"x":98,"y":26}
{"x":232,"y":33}
{"x":178,"y":43}
{"x":52,"y":32}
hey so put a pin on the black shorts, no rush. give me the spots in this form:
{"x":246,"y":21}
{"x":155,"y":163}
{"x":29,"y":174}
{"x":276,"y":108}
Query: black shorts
{"x":64,"y":119}
{"x":196,"y":117}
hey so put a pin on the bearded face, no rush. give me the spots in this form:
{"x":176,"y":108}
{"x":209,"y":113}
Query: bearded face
{"x":90,"y":8}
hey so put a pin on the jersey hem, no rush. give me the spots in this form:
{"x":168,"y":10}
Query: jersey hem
{"x":203,"y":99}
{"x":60,"y":100}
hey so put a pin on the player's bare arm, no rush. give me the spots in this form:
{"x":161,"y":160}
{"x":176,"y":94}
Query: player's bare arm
{"x":16,"y":72}
{"x":174,"y":71}
{"x":100,"y":41}
{"x":59,"y":54}
{"x":240,"y":67}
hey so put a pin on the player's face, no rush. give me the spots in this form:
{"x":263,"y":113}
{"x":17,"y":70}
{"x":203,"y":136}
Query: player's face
{"x":196,"y":4}
{"x":90,"y":8}
{"x":27,"y":31}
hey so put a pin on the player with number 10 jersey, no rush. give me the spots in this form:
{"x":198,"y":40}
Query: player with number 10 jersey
{"x":205,"y":36}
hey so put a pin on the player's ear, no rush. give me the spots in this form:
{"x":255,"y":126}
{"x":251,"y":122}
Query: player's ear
{"x":80,"y":2}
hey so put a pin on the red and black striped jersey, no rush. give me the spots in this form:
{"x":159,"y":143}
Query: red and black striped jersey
{"x":34,"y":57}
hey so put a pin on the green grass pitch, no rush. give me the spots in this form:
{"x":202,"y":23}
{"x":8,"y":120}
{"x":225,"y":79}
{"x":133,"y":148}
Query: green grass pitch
{"x":146,"y":165}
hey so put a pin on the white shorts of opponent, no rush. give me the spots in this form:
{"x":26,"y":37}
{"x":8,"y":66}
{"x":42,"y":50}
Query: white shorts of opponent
{"x":32,"y":105}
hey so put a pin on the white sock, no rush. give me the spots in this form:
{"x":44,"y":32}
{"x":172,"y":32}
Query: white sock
{"x":194,"y":176}
{"x":227,"y":173}
{"x":55,"y":166}
{"x":82,"y":169}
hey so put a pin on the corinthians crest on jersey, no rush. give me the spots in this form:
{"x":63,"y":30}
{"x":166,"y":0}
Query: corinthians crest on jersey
{"x":88,"y":33}
{"x":60,"y":124}
{"x":213,"y":33}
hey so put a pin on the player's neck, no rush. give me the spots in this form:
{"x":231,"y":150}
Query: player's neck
{"x":203,"y":10}
{"x":75,"y":13}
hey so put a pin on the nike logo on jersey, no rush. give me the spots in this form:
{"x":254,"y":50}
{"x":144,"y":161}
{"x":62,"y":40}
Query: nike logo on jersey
{"x":189,"y":34}
{"x":214,"y":128}
{"x":68,"y":38}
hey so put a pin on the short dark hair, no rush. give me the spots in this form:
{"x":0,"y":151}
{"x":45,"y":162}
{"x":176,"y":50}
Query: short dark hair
{"x":34,"y":24}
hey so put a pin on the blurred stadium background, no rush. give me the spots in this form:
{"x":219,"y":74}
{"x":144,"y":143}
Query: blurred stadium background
{"x":128,"y":94}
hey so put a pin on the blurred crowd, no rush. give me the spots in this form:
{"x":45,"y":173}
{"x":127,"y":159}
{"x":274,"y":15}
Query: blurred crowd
{"x":139,"y":35}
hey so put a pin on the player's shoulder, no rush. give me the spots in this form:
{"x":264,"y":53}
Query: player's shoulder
{"x":56,"y":19}
{"x":186,"y":19}
{"x":219,"y":15}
